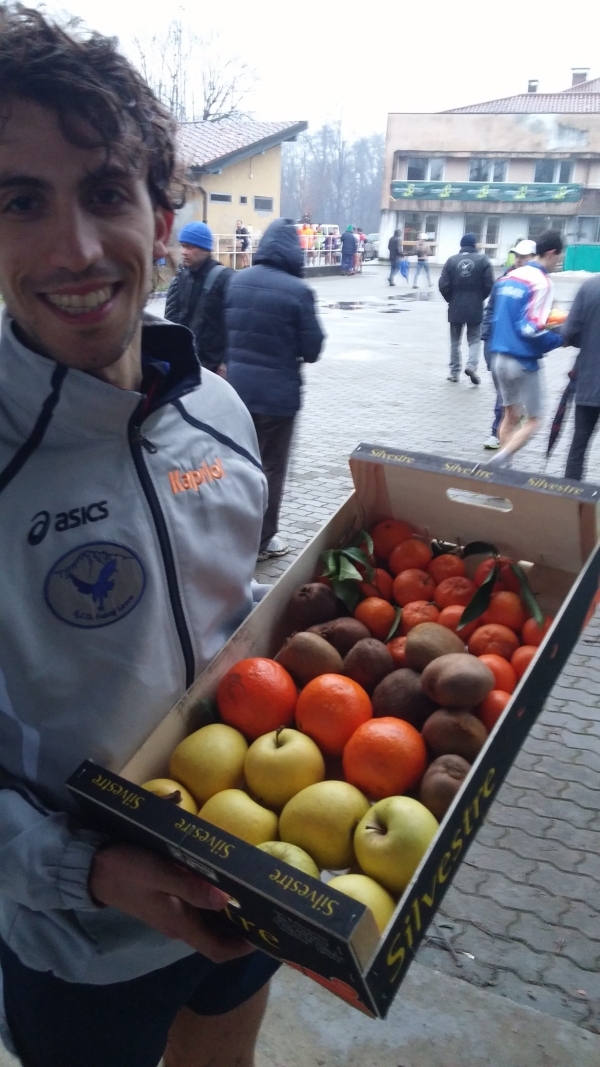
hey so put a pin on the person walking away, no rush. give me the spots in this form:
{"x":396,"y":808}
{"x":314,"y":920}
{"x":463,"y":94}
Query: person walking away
{"x":466,"y":281}
{"x":423,"y":252}
{"x":195,"y":297}
{"x":115,"y":602}
{"x":582,"y":330}
{"x":523,"y":252}
{"x":395,"y":251}
{"x":519,"y":339}
{"x":242,"y":242}
{"x":349,"y":245}
{"x":272,"y":328}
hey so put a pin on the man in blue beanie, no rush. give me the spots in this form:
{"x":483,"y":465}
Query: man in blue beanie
{"x":196,"y":296}
{"x":465,"y":282}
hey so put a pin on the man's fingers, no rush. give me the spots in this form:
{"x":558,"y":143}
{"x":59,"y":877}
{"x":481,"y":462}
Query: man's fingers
{"x":183,"y":922}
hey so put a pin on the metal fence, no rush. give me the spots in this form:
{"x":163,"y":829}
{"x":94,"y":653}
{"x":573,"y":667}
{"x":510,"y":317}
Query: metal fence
{"x":318,"y":250}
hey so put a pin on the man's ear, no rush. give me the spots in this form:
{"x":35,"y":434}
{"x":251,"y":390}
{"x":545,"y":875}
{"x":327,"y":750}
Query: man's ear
{"x":163,"y":224}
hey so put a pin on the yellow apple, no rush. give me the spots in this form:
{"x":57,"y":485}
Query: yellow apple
{"x":322,"y":820}
{"x":278,"y":765}
{"x":234,"y":811}
{"x":368,"y":892}
{"x":391,"y":840}
{"x":296,"y":857}
{"x":167,"y":789}
{"x":210,"y":760}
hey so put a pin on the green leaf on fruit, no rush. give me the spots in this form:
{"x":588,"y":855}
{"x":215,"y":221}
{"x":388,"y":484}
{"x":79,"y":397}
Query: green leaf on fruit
{"x":361,"y":557}
{"x":444,"y":548}
{"x":395,"y":625}
{"x":347,"y":592}
{"x":363,"y":537}
{"x":528,"y":594}
{"x":330,"y":562}
{"x":479,"y":548}
{"x":347,"y":571}
{"x":480,"y":601}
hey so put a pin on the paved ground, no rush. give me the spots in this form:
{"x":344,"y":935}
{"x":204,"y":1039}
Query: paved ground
{"x":523,"y":916}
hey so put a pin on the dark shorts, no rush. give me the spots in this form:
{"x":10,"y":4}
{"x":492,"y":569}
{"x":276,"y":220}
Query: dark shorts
{"x":60,"y":1024}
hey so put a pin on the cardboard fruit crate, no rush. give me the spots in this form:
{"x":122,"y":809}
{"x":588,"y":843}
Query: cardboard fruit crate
{"x":548,"y":524}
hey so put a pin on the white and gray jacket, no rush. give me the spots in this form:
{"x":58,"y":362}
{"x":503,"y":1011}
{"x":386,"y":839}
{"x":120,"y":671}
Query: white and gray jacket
{"x":130,"y":526}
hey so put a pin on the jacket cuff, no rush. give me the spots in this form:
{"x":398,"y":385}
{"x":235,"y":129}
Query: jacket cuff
{"x":74,"y":870}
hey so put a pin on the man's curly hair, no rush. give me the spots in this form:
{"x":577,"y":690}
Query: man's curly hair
{"x":100,"y":99}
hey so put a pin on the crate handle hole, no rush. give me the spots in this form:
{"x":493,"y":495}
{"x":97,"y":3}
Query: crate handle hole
{"x":479,"y":500}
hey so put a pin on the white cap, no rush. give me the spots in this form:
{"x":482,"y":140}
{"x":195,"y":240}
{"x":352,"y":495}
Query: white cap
{"x":524,"y":248}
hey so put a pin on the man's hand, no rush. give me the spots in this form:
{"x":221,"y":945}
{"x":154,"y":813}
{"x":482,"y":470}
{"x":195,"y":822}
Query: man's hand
{"x":165,"y":896}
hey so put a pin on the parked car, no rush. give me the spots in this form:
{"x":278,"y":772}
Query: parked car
{"x":369,"y":249}
{"x":373,"y":238}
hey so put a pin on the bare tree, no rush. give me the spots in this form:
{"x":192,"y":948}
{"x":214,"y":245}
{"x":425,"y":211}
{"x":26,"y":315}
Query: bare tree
{"x":192,"y":75}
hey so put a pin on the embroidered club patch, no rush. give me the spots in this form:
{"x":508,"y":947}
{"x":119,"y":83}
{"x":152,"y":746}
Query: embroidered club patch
{"x":95,"y":585}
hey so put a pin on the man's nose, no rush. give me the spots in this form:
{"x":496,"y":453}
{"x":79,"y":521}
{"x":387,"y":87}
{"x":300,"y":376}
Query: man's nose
{"x":76,"y":242}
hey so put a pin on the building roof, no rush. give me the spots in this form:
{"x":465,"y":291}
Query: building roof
{"x":592,"y":86}
{"x":534,"y":104}
{"x":211,"y":146}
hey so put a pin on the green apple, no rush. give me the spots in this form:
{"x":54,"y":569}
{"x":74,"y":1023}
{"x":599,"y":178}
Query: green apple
{"x":322,"y":819}
{"x":210,"y":760}
{"x":368,"y":892}
{"x":234,"y":811}
{"x":167,"y":789}
{"x":280,"y":764}
{"x":296,"y":857}
{"x":391,"y":840}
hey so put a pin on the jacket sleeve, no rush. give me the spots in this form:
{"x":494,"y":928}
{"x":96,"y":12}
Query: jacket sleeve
{"x":530,"y":327}
{"x":573,"y":327}
{"x":212,"y":346}
{"x":488,"y":279}
{"x":488,"y":315}
{"x":445,"y":282}
{"x":45,"y":859}
{"x":311,"y":334}
{"x":172,"y":303}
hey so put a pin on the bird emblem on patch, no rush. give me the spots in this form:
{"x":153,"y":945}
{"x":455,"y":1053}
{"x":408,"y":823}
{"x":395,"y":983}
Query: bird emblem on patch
{"x":95,"y":585}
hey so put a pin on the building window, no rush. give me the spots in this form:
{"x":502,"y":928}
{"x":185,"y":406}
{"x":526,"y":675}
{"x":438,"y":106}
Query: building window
{"x":565,"y":173}
{"x":553,"y":171}
{"x":416,"y":223}
{"x":542,"y":223}
{"x":588,"y":229}
{"x":487,"y":170}
{"x":220,"y":198}
{"x":243,"y":199}
{"x":263,"y":203}
{"x":487,"y":230}
{"x":423,"y":170}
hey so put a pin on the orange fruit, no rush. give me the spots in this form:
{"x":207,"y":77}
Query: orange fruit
{"x":454,"y":591}
{"x":413,"y":584}
{"x":450,"y":618}
{"x":256,"y":696}
{"x":397,"y":649}
{"x":387,"y":534}
{"x":330,"y":709}
{"x":408,"y":555}
{"x":381,"y":585}
{"x":492,"y":707}
{"x":533,"y":634}
{"x":522,"y":658}
{"x":507,"y":579}
{"x":446,"y":566}
{"x":506,"y":609}
{"x":377,"y":615}
{"x":384,"y":758}
{"x":493,"y":638}
{"x":418,"y":611}
{"x":504,"y":673}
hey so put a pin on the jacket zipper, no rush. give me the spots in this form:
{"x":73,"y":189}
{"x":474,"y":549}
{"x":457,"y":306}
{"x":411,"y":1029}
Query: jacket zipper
{"x":136,"y":442}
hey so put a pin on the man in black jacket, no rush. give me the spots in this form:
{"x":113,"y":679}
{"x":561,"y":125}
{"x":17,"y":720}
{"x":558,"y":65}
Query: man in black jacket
{"x":395,"y":250}
{"x":582,"y":330}
{"x":272,"y":328}
{"x":465,"y":282}
{"x":196,"y":296}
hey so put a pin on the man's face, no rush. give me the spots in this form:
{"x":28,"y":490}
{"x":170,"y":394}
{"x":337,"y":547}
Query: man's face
{"x":192,"y":256}
{"x":552,"y":261}
{"x":522,"y":261}
{"x":78,"y":236}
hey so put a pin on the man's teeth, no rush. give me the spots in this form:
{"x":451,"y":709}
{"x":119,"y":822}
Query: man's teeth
{"x":76,"y":303}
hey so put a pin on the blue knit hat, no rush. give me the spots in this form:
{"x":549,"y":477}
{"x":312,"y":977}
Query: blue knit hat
{"x":196,"y":233}
{"x":468,"y":241}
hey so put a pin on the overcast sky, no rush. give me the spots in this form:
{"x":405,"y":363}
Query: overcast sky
{"x":323,"y":59}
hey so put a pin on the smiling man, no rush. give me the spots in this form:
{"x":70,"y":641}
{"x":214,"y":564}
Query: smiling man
{"x":125,"y":568}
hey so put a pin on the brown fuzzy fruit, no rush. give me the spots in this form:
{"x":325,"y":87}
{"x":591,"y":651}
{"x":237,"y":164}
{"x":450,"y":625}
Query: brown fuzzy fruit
{"x":454,"y":732}
{"x":401,"y":696}
{"x":310,"y":604}
{"x":441,"y":782}
{"x":306,"y":656}
{"x":368,"y":662}
{"x":457,"y":680}
{"x":427,"y":642}
{"x":342,"y":633}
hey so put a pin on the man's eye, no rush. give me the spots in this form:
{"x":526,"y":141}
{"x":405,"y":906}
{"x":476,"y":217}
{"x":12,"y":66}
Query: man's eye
{"x":109,"y":197}
{"x":21,"y":205}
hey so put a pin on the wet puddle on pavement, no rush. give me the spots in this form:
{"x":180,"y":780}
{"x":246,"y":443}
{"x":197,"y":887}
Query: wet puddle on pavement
{"x":358,"y":305}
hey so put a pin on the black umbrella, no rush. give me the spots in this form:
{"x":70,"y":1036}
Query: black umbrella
{"x":561,"y":411}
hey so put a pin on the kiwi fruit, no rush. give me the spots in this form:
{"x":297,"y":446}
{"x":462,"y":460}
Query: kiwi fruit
{"x":342,"y":633}
{"x":307,"y":655}
{"x":457,"y":680}
{"x":454,"y":732}
{"x":441,"y":782}
{"x":429,"y":640}
{"x":368,"y":662}
{"x":401,"y":695}
{"x":310,"y":604}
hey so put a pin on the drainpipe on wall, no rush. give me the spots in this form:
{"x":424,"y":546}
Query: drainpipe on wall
{"x":204,"y":204}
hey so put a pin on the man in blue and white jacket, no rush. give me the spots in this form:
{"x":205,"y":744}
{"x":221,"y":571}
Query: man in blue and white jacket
{"x":519,"y":339}
{"x":131,"y":505}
